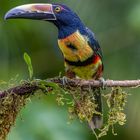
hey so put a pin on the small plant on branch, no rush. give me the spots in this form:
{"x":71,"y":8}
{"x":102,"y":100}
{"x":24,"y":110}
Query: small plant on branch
{"x":28,"y":61}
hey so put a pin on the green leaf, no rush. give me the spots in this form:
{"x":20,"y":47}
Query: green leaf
{"x":28,"y":61}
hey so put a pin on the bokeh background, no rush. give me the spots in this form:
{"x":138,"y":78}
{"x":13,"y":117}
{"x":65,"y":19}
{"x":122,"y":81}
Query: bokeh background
{"x":116,"y":24}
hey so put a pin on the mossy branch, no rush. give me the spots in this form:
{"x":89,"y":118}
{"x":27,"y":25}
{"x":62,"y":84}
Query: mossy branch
{"x":31,"y":87}
{"x":13,"y":99}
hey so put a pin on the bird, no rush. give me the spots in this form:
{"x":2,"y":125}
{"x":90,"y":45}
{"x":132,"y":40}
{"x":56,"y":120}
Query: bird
{"x":81,"y":51}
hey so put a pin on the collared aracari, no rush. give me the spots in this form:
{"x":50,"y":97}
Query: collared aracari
{"x":81,"y":51}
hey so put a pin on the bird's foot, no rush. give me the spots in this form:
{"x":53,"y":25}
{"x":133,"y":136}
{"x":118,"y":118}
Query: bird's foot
{"x":102,"y":81}
{"x":64,"y":80}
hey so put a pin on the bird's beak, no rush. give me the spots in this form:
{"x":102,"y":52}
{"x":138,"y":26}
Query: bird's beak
{"x":32,"y":11}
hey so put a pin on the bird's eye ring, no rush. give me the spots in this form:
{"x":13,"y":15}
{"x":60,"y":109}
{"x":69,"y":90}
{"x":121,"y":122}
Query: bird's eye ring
{"x":57,"y":9}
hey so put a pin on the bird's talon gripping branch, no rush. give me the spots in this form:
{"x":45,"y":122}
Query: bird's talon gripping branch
{"x":64,"y":80}
{"x":102,"y":81}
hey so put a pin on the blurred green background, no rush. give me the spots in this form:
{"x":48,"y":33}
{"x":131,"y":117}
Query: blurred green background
{"x":116,"y":24}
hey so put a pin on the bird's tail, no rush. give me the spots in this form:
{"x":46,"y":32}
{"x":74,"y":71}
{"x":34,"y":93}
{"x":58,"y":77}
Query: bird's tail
{"x":97,"y":119}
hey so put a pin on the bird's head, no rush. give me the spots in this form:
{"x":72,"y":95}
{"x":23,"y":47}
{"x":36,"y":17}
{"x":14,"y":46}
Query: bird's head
{"x":61,"y":15}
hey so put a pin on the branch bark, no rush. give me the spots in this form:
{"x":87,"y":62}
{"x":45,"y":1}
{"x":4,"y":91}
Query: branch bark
{"x":30,"y":88}
{"x":98,"y":83}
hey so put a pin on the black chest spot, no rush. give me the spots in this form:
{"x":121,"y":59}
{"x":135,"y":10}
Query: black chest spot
{"x":71,"y":46}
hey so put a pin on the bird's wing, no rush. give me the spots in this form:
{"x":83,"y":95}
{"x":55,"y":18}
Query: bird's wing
{"x":94,"y":43}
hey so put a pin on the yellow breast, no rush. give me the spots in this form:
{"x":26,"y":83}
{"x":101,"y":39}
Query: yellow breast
{"x":82,"y":50}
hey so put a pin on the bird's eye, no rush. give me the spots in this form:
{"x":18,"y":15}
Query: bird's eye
{"x":57,"y":9}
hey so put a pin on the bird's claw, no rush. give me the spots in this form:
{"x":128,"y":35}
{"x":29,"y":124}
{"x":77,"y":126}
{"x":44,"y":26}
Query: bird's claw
{"x":64,"y":80}
{"x":102,"y":81}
